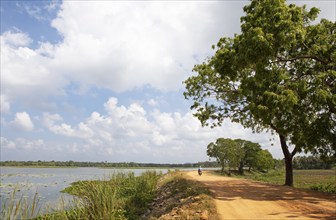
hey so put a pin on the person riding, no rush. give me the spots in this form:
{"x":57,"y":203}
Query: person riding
{"x":200,"y":170}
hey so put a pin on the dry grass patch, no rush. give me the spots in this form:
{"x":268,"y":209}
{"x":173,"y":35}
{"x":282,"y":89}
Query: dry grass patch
{"x":181,"y":198}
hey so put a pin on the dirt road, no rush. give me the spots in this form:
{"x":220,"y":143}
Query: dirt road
{"x":245,"y":199}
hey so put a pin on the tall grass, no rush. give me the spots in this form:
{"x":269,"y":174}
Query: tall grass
{"x":123,"y":196}
{"x":19,"y":208}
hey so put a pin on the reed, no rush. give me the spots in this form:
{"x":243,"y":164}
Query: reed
{"x":19,"y":208}
{"x":122,"y":196}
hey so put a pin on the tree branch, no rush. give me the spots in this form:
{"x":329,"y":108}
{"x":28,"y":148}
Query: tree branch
{"x":294,"y":152}
{"x":299,"y":58}
{"x":284,"y":147}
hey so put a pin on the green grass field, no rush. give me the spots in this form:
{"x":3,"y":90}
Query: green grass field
{"x":320,"y":180}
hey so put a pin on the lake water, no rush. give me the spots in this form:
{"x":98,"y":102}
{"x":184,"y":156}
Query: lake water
{"x":48,"y":182}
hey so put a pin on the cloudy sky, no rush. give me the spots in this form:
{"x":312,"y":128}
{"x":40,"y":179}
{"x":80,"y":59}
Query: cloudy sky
{"x":102,"y":81}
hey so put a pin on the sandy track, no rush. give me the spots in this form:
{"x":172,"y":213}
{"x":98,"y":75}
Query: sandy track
{"x":245,"y":199}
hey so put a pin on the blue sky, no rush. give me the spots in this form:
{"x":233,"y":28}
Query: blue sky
{"x":102,"y":80}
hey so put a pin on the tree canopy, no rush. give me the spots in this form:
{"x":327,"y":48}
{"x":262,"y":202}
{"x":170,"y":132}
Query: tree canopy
{"x":226,"y":151}
{"x":240,"y":153}
{"x":278,"y":75}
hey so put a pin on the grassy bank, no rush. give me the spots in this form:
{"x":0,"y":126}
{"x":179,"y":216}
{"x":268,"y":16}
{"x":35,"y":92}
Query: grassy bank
{"x":178,"y":197}
{"x":319,"y":180}
{"x":125,"y":196}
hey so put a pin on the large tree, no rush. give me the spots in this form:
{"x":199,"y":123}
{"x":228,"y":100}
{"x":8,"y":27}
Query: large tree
{"x":278,"y":74}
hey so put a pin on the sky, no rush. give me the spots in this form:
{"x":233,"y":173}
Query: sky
{"x":102,"y":80}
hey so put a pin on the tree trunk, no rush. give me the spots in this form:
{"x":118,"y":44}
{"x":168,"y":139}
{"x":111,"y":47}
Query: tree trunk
{"x":289,"y":172}
{"x":223,"y":166}
{"x":241,"y":168}
{"x":288,"y":160}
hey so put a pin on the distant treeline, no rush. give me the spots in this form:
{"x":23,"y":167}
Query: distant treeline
{"x":71,"y":163}
{"x":299,"y":162}
{"x":312,"y":162}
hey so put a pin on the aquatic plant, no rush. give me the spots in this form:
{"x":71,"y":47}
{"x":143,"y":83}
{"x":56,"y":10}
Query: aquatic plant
{"x":122,"y":196}
{"x":19,"y":208}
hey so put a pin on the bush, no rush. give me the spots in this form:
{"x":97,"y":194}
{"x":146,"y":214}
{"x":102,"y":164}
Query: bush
{"x":124,"y":196}
{"x":326,"y":187}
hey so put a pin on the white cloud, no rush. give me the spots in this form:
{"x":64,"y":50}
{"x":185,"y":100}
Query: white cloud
{"x":81,"y":131}
{"x":49,"y":119}
{"x":117,"y":45}
{"x":26,"y":144}
{"x":7,"y":144}
{"x":4,"y":104}
{"x":131,"y":132}
{"x":15,"y":39}
{"x":26,"y":76}
{"x":23,"y":122}
{"x":153,"y":102}
{"x":22,"y":144}
{"x":123,"y":45}
{"x":34,"y":11}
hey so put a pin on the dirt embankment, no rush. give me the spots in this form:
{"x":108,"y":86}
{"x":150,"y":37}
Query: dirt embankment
{"x":245,"y":199}
{"x":178,"y":197}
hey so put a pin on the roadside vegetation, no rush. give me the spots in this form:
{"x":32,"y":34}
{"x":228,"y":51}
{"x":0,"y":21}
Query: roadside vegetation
{"x":124,"y":196}
{"x":318,"y":180}
{"x":179,"y":197}
{"x":246,"y":159}
{"x":240,"y":153}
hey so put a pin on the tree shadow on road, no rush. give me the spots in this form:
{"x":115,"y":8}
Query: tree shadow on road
{"x":312,"y":204}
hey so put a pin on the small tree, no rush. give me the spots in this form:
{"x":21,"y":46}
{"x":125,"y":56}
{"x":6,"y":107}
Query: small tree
{"x":227,"y":152}
{"x":264,"y":160}
{"x":239,"y":153}
{"x":250,"y":154}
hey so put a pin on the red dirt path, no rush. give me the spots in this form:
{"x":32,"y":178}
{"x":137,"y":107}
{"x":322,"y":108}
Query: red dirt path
{"x":246,"y":199}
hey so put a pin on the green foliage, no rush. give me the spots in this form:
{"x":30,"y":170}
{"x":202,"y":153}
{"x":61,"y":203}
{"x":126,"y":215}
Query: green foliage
{"x":20,"y":208}
{"x":274,"y":176}
{"x":226,"y":151}
{"x":279,"y":74}
{"x":312,"y":162}
{"x":278,"y":164}
{"x":240,"y":153}
{"x":328,"y":188}
{"x":264,"y":160}
{"x":124,"y":196}
{"x":319,"y":180}
{"x":311,"y":178}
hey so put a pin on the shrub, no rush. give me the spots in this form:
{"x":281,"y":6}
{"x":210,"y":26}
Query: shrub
{"x":324,"y":187}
